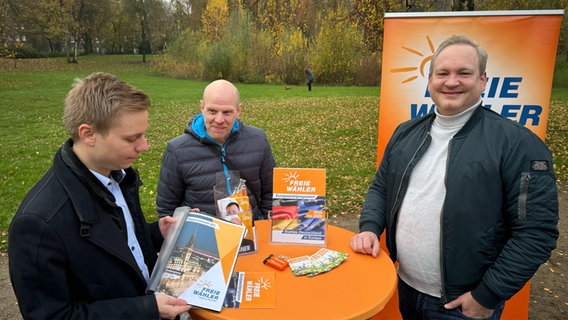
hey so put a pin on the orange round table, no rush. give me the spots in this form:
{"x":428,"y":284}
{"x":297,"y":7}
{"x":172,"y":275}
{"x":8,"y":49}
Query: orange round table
{"x":357,"y":289}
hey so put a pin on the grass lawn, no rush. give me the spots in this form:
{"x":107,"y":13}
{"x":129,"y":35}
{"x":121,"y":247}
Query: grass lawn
{"x":331,"y":127}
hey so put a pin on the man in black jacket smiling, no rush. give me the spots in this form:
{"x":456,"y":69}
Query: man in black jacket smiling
{"x":467,"y":197}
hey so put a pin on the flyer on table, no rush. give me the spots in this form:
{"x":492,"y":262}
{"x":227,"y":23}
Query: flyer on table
{"x":298,"y":206}
{"x":251,"y":290}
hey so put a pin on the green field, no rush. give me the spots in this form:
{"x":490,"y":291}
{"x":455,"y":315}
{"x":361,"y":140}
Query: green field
{"x":331,"y":127}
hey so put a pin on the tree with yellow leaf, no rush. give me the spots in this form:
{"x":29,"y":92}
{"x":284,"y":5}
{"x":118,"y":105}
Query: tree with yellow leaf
{"x":214,"y":19}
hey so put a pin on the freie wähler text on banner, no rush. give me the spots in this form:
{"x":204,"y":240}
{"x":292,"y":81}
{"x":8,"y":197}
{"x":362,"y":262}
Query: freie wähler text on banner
{"x":521,"y":46}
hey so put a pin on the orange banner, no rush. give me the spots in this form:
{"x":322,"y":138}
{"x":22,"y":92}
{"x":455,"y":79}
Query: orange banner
{"x":522,"y":50}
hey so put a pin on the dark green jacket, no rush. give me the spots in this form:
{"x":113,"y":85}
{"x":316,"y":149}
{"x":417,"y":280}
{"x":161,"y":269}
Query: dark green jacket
{"x":500,"y":213}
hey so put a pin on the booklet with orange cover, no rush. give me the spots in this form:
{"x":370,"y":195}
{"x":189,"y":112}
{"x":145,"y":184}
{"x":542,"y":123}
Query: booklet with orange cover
{"x":197,"y":259}
{"x":298,"y":206}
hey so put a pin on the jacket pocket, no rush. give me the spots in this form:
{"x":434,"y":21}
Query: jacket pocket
{"x":523,"y":194}
{"x":538,"y":198}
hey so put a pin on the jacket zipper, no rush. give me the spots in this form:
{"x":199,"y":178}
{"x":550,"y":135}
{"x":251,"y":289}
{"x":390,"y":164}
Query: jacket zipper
{"x":226,"y":170}
{"x":395,"y":207}
{"x":443,"y":295}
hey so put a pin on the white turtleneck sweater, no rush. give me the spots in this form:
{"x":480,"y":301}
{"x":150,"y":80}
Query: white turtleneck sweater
{"x":418,"y":229}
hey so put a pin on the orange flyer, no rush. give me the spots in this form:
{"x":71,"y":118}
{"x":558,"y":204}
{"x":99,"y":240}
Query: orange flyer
{"x":251,"y":290}
{"x":298,"y":206}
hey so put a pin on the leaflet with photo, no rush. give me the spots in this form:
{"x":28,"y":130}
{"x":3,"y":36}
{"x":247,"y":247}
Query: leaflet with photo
{"x":232,"y":204}
{"x":232,"y":212}
{"x":321,"y":261}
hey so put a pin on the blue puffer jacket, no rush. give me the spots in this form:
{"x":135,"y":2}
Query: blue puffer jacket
{"x":500,"y":213}
{"x":189,"y":168}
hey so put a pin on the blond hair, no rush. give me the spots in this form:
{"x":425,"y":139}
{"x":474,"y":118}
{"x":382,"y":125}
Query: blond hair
{"x":97,"y":100}
{"x":461,"y":39}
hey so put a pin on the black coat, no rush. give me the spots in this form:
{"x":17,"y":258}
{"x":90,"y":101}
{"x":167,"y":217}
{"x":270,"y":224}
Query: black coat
{"x":68,"y":252}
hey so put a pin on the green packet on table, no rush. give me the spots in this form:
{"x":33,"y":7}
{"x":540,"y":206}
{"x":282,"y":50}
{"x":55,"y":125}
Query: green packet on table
{"x":322,"y":261}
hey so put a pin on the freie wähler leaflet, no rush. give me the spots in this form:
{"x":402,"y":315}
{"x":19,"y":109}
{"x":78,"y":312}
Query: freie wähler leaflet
{"x":251,"y":290}
{"x":298,"y":206}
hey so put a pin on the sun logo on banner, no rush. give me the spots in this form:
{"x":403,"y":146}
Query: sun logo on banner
{"x":423,"y":63}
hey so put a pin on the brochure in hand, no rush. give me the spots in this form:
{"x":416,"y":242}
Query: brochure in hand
{"x":197,"y":259}
{"x":298,"y":207}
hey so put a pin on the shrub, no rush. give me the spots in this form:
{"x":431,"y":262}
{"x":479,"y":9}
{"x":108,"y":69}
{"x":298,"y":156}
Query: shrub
{"x":181,"y":58}
{"x":238,"y":39}
{"x":262,"y":60}
{"x":369,"y":71}
{"x":217,"y":62}
{"x":336,"y":52}
{"x":293,"y":57}
{"x":560,"y":79}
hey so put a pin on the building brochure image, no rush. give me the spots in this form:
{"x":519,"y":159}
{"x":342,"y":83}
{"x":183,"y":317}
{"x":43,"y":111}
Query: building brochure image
{"x":197,"y":259}
{"x":298,"y":206}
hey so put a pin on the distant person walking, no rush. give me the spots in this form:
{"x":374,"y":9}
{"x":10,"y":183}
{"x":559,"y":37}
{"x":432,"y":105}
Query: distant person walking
{"x":311,"y":78}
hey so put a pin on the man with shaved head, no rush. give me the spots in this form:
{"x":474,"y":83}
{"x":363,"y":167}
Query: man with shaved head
{"x":216,"y":142}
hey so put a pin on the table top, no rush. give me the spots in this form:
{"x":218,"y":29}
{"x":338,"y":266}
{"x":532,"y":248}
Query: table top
{"x":357,"y":289}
